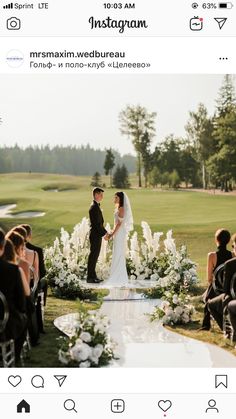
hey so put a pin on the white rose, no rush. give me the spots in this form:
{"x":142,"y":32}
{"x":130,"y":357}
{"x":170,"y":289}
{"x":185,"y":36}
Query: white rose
{"x":175,"y":299}
{"x":98,"y":350}
{"x":86,"y":337}
{"x":81,"y":352}
{"x":185,"y":318}
{"x":178,"y":311}
{"x":62,"y":357}
{"x":85,"y":364}
{"x":94,"y":359}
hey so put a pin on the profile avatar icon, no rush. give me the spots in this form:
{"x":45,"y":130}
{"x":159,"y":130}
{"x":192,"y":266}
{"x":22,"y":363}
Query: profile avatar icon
{"x":212,"y":406}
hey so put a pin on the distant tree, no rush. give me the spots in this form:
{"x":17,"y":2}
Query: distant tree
{"x":200,"y":134}
{"x":145,"y":151}
{"x":109,"y":164}
{"x":135,"y":121}
{"x":222,"y":163}
{"x":174,"y":179}
{"x":155,"y":177}
{"x":121,"y":177}
{"x":96,"y":180}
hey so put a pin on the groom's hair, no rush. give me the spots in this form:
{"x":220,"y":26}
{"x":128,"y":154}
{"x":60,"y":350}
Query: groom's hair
{"x":97,"y":190}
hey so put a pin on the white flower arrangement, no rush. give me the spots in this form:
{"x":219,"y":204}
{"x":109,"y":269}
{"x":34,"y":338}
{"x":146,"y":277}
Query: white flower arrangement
{"x":90,"y":345}
{"x":147,"y":259}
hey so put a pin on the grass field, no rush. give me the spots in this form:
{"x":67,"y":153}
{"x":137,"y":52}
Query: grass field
{"x":193,"y":216}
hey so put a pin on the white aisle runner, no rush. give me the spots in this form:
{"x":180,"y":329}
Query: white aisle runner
{"x":142,"y":343}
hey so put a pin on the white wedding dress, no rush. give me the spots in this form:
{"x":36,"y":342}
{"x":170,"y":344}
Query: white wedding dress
{"x":118,"y":274}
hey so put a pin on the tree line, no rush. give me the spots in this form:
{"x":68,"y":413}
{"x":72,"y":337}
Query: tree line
{"x":205,"y":157}
{"x":78,"y":161}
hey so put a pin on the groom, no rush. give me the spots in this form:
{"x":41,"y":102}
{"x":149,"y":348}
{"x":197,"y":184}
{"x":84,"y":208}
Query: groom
{"x":97,"y":232}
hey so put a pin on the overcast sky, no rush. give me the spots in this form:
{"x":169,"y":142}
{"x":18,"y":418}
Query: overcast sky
{"x":60,"y":109}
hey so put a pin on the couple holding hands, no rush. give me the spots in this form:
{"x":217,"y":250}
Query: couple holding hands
{"x":123,"y":224}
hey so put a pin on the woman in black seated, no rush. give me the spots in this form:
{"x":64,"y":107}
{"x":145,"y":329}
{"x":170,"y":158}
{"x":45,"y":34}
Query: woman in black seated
{"x":215,"y":259}
{"x":10,"y":256}
{"x":33,"y":327}
{"x":11,"y":287}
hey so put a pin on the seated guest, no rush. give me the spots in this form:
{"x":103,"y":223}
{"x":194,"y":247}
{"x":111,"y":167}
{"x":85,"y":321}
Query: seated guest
{"x":19,"y":245}
{"x":43,"y":285}
{"x":30,"y":255}
{"x":11,"y":287}
{"x":39,"y":250}
{"x":10,"y":256}
{"x":33,"y":326}
{"x":215,"y":259}
{"x":217,"y":305}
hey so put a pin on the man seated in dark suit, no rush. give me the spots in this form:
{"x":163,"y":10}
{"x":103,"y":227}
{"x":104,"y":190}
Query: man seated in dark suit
{"x":12,"y":288}
{"x":43,"y":284}
{"x":217,"y":305}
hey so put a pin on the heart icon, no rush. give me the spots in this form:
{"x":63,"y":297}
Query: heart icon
{"x":14,"y":380}
{"x":164,"y":405}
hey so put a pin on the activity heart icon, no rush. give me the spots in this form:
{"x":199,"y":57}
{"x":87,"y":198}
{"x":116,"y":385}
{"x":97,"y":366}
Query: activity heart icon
{"x":164,"y":405}
{"x":14,"y":380}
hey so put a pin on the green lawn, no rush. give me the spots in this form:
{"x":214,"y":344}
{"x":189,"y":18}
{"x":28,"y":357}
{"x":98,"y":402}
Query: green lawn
{"x":193,"y":216}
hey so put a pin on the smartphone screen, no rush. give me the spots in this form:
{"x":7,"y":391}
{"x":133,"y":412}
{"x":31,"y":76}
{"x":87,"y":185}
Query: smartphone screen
{"x":117,"y":209}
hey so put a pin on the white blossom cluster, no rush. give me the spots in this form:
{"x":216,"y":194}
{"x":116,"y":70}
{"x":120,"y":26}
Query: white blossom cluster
{"x":91,"y":345}
{"x":67,"y":259}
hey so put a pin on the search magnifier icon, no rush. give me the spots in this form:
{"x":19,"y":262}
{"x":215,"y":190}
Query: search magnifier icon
{"x":69,"y":405}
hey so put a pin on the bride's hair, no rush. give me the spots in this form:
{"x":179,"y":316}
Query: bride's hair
{"x":121,"y":196}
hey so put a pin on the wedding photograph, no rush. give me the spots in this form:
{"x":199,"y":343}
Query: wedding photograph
{"x":117,"y":221}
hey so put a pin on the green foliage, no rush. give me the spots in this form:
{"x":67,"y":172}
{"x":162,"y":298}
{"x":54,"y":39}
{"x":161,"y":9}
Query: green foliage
{"x":138,"y":124}
{"x":109,"y":164}
{"x":121,"y":178}
{"x":96,"y":180}
{"x":71,"y":160}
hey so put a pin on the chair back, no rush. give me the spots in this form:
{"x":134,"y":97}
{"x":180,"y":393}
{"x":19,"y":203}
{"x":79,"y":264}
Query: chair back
{"x":218,"y":279}
{"x":233,"y":286}
{"x":4,"y":312}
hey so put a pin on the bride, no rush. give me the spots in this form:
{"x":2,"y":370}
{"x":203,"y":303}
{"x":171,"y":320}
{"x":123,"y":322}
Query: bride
{"x":123,"y":223}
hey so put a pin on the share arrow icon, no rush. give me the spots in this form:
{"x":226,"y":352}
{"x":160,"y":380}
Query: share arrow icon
{"x":221,"y":21}
{"x":61,"y":379}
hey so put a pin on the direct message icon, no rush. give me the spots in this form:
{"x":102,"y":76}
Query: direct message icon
{"x":221,"y":381}
{"x":164,"y":405}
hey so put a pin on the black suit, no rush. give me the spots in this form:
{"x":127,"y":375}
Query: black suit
{"x":97,"y":231}
{"x":216,"y":305}
{"x":11,"y":286}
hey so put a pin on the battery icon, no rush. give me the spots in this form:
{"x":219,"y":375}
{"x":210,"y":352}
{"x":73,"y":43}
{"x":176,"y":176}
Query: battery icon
{"x":227,"y":5}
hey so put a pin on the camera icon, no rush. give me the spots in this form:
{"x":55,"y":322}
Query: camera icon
{"x":13,"y":24}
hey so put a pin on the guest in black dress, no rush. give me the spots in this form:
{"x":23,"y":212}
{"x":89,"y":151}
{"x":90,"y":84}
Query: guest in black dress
{"x":12,"y":288}
{"x":43,"y":284}
{"x":214,"y":260}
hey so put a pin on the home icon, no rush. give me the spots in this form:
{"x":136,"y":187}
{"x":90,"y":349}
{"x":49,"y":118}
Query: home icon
{"x":23,"y":407}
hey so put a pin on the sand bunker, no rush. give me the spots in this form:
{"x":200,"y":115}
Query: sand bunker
{"x":6,"y":212}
